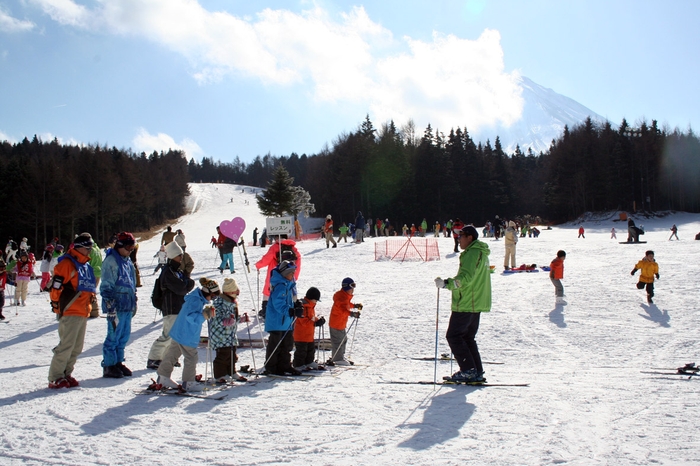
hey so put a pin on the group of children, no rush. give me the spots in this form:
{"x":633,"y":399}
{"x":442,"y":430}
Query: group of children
{"x":648,"y":266}
{"x":289,"y":322}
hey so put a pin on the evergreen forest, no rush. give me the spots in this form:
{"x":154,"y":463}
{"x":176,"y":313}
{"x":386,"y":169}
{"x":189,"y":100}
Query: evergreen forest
{"x":51,"y":189}
{"x":395,"y":173}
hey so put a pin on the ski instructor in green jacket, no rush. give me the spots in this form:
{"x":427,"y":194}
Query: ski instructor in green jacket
{"x":471,"y":295}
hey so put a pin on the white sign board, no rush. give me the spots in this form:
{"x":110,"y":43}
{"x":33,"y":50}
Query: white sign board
{"x":279,"y":226}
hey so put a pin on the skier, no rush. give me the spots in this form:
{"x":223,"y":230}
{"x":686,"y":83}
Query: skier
{"x":46,"y":258}
{"x":650,"y":269}
{"x":222,"y":333}
{"x":674,"y":232}
{"x":24,"y":272}
{"x":304,"y":332}
{"x":180,"y":240}
{"x":3,"y":281}
{"x":281,"y":308}
{"x":581,"y":232}
{"x":338,"y":320}
{"x":328,"y":231}
{"x":456,"y":231}
{"x":167,"y":237}
{"x":359,"y":227}
{"x":471,"y":295}
{"x":612,"y":233}
{"x":556,"y":274}
{"x":174,"y":285}
{"x":162,"y":258}
{"x":511,"y":241}
{"x":271,"y":259}
{"x":72,"y":290}
{"x":226,"y":250}
{"x":185,"y":336}
{"x":118,"y":290}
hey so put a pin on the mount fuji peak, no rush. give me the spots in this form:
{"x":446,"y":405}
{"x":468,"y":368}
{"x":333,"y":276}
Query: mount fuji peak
{"x":545,"y":113}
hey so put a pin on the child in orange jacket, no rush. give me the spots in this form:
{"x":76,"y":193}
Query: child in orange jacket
{"x":341,"y":310}
{"x":304,"y":333}
{"x":650,"y":269}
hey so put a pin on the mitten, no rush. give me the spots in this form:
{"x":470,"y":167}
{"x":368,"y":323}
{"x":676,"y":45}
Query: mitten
{"x":228,"y":322}
{"x":633,"y":271}
{"x":208,"y":312}
{"x":440,"y":283}
{"x":113,"y":319}
{"x":298,"y":309}
{"x":355,"y":314}
{"x":358,"y":306}
{"x":657,"y":275}
{"x":320,"y":322}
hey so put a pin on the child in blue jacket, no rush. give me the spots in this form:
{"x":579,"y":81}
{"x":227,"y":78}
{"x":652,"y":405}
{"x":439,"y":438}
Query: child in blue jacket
{"x":185,"y":335}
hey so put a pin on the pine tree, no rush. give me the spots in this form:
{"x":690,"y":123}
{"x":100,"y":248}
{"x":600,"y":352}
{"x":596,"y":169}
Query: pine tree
{"x":277,"y":199}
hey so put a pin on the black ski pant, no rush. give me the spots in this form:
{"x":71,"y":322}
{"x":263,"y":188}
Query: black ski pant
{"x":649,"y":286}
{"x":225,"y":361}
{"x":279,"y":352}
{"x":304,"y":353}
{"x":461,"y":334}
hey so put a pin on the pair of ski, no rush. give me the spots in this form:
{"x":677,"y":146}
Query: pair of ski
{"x":158,"y":389}
{"x":453,"y":382}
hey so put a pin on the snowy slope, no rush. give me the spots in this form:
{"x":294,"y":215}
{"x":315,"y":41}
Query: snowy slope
{"x":588,"y":401}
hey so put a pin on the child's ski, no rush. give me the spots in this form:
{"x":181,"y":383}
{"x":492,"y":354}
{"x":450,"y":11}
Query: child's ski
{"x":446,"y":382}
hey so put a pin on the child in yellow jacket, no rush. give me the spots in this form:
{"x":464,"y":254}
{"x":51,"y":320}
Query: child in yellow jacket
{"x":650,"y":269}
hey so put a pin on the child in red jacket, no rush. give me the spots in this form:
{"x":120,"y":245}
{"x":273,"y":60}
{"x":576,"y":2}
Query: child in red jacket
{"x":304,"y":333}
{"x":556,"y":274}
{"x":341,"y":310}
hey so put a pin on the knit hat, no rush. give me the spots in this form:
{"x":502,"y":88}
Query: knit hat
{"x":348,"y":284}
{"x":84,"y":240}
{"x":208,"y":286}
{"x":172,"y":250}
{"x":230,"y":285}
{"x":59,"y":247}
{"x":286,"y":267}
{"x":124,"y":239}
{"x":470,"y":231}
{"x":511,"y":224}
{"x":313,"y":293}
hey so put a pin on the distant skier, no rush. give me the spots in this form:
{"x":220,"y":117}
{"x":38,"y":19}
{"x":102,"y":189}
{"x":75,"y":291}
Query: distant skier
{"x":674,"y":232}
{"x":581,"y":232}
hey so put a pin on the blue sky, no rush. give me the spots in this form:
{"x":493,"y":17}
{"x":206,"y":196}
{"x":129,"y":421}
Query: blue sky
{"x":237,"y":78}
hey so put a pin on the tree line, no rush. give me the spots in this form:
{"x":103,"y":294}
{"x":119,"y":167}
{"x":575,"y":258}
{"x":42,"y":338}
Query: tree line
{"x":394,"y":173}
{"x":55,"y":190}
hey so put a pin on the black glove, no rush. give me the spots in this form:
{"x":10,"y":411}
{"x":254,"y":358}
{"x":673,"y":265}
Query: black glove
{"x":355,"y":314}
{"x":657,"y":275}
{"x":358,"y":306}
{"x":320,"y":322}
{"x":298,"y":309}
{"x":633,"y":271}
{"x":291,"y":312}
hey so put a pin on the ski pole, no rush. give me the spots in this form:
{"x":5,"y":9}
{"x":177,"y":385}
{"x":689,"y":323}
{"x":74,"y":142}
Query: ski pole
{"x":352,"y":344}
{"x":437,"y":319}
{"x":252,"y":299}
{"x":206,"y":368}
{"x":343,"y":340}
{"x":252,"y":353}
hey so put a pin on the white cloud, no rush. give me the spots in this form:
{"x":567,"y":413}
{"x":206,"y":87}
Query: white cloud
{"x":146,"y":142}
{"x":10,"y":24}
{"x":447,"y":82}
{"x":5,"y":137}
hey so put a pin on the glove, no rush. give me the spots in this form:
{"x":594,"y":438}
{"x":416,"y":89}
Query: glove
{"x":208,"y":312}
{"x":440,"y":283}
{"x":633,"y":272}
{"x":355,"y":314}
{"x":298,"y":309}
{"x":358,"y":306}
{"x":109,"y":306}
{"x":113,"y":319}
{"x":320,"y":322}
{"x":291,"y":312}
{"x":54,"y":306}
{"x":657,"y":276}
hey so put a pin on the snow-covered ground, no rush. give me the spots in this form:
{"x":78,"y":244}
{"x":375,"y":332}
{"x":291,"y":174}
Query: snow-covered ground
{"x":589,"y":400}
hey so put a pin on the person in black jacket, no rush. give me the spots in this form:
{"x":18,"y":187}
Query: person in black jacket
{"x":226,"y":251}
{"x":175,"y":285}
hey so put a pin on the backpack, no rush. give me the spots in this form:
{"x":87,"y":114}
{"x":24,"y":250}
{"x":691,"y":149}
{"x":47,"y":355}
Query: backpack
{"x":157,"y":295}
{"x":13,"y":245}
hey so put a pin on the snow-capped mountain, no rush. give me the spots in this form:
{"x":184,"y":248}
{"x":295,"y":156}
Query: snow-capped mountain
{"x":545,"y":114}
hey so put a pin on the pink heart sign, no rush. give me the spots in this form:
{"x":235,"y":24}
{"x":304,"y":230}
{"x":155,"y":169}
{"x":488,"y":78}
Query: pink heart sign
{"x":233,"y":228}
